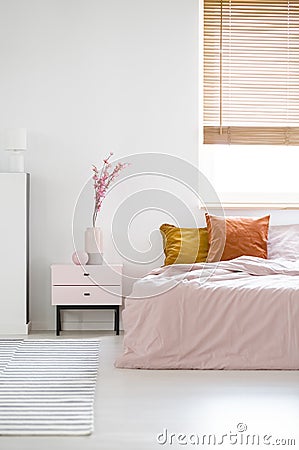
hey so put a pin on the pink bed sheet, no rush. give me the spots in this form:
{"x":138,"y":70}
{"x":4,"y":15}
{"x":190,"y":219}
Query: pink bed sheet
{"x":239,"y":314}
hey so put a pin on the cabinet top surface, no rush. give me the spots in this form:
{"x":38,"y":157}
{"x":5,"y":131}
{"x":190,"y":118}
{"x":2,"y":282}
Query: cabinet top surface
{"x":14,"y":174}
{"x":98,"y":266}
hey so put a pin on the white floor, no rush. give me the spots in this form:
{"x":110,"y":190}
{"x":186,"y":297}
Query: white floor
{"x":134,"y":406}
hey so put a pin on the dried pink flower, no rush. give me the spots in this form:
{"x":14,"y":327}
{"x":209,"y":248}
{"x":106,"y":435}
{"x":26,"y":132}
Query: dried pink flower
{"x":102,"y":182}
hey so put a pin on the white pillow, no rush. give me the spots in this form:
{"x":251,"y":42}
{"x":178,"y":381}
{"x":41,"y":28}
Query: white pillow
{"x":283,"y":242}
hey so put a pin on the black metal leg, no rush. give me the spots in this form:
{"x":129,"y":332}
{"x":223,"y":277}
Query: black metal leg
{"x":60,"y":308}
{"x":58,"y":321}
{"x":116,"y":320}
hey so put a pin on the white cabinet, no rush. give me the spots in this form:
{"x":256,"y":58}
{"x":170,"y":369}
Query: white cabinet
{"x":86,"y":287}
{"x":14,"y":233}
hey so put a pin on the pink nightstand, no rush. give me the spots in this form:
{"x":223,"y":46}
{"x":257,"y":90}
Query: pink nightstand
{"x":86,"y":287}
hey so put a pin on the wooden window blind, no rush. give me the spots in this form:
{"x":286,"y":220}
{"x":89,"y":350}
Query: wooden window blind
{"x":251,"y":72}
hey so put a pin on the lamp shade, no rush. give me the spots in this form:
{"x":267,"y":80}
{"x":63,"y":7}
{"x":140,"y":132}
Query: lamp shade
{"x":15,"y":139}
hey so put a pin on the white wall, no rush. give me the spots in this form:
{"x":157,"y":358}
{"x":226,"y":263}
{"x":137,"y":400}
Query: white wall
{"x":86,"y":77}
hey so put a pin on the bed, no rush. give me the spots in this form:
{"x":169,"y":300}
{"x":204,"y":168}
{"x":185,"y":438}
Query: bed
{"x":237,"y":314}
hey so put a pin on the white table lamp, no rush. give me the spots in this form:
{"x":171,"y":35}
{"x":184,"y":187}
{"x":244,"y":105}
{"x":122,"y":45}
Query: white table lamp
{"x":15,"y":141}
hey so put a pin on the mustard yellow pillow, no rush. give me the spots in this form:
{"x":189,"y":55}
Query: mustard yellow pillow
{"x":184,"y":245}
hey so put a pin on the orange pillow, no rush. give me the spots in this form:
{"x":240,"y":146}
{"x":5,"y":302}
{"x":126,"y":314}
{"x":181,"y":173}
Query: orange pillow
{"x":231,"y":237}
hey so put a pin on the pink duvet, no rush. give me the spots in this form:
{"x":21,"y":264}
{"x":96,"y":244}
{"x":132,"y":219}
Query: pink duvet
{"x":239,"y":314}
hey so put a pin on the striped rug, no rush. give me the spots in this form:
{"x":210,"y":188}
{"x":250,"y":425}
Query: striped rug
{"x":47,"y":386}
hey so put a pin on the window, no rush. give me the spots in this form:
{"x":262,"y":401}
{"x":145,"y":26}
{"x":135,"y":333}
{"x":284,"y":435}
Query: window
{"x":251,"y":72}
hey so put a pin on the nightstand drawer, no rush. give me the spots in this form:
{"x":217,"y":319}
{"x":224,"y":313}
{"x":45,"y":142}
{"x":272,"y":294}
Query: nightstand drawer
{"x":86,"y":295}
{"x":86,"y":275}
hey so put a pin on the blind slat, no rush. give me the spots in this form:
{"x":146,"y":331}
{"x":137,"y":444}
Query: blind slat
{"x":251,"y":71}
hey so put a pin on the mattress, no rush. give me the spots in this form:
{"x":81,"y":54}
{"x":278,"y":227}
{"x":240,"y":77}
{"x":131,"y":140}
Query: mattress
{"x":238,"y":314}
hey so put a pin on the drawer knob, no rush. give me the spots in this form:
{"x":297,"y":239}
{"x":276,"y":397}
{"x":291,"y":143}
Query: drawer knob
{"x":86,"y":274}
{"x":86,"y":293}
